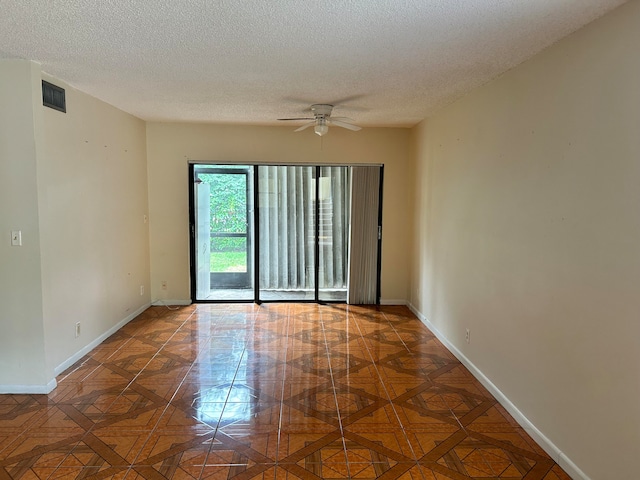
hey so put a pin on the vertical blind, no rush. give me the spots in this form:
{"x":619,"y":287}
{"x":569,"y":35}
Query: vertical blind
{"x":333,"y":219}
{"x":287,"y":227}
{"x":363,"y":241}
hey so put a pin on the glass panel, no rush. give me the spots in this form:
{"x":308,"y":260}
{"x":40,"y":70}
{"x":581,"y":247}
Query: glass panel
{"x":333,"y":223}
{"x":227,"y":233}
{"x":228,"y":201}
{"x":287,"y":231}
{"x":228,"y":254}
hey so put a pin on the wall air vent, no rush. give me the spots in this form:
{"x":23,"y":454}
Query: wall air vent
{"x":53,"y":97}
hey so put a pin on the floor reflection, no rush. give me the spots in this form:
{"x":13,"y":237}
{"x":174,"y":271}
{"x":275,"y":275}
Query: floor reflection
{"x":247,"y":392}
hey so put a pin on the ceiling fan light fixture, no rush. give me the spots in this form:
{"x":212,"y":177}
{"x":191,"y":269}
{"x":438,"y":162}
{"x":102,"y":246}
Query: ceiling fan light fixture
{"x":321,"y":120}
{"x":321,"y":129}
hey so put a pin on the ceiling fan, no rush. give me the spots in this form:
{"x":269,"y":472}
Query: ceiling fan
{"x":322,"y":119}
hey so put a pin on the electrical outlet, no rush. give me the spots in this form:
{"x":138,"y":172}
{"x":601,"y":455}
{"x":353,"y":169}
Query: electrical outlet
{"x":77,"y":329}
{"x":141,"y":289}
{"x":467,"y":336}
{"x":164,"y":284}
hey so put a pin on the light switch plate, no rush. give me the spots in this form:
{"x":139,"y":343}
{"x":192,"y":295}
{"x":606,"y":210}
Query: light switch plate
{"x":16,"y":238}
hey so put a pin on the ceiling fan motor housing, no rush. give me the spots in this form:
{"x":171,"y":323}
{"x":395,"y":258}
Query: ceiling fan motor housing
{"x":321,"y":109}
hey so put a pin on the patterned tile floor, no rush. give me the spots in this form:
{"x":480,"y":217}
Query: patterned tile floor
{"x":277,"y":391}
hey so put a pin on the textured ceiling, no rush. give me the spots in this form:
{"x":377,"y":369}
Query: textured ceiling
{"x":385,"y":62}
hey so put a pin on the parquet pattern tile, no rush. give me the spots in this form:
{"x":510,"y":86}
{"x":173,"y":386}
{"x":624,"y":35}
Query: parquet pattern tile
{"x":276,"y":391}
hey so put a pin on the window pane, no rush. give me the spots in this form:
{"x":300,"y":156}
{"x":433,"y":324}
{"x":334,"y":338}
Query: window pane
{"x":223,"y":233}
{"x":333,"y":222}
{"x":228,"y":254}
{"x":287,"y":231}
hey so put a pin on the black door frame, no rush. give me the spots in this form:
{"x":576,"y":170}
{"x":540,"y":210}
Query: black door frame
{"x":255,"y":231}
{"x":227,"y":279}
{"x":235,"y":279}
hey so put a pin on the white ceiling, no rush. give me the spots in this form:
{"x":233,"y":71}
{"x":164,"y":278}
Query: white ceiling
{"x":385,"y":62}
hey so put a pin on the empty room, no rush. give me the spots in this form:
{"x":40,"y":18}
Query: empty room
{"x":320,"y":240}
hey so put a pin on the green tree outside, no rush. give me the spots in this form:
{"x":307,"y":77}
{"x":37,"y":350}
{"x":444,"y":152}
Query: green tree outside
{"x":228,"y":204}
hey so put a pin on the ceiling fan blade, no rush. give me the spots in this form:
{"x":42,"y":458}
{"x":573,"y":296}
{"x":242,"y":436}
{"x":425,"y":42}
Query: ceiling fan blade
{"x":301,"y":118}
{"x":343,"y":118}
{"x":348,"y":126}
{"x":306,"y":125}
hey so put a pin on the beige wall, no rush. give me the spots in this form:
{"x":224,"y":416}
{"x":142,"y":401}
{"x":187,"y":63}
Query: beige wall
{"x":524,"y":221}
{"x":92,"y":179}
{"x":171,"y":146}
{"x":22,"y":354}
{"x":527,"y":232}
{"x":75,"y":184}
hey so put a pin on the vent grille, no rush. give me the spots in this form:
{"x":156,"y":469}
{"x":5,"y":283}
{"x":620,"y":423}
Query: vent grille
{"x":53,"y":97}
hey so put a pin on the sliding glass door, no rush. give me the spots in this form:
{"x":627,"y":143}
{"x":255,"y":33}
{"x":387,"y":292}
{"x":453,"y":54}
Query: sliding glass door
{"x":333,"y":215}
{"x":286,"y":233}
{"x":299,"y":232}
{"x":223,"y":214}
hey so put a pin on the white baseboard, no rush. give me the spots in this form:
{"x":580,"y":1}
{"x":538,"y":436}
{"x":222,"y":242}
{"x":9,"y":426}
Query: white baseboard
{"x":29,"y":389}
{"x":86,"y":349}
{"x":44,"y":389}
{"x":571,"y":468}
{"x":165,"y":303}
{"x":547,"y":445}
